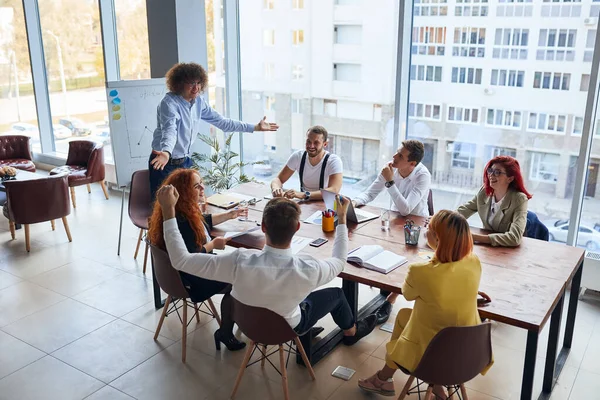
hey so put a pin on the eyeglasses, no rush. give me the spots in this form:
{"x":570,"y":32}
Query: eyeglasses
{"x":495,"y":172}
{"x":192,"y":84}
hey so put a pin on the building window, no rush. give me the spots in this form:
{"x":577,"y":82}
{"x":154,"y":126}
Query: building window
{"x":544,"y":167}
{"x":269,"y":71}
{"x":298,"y":4}
{"x":297,"y":72}
{"x":330,"y":107}
{"x":469,"y":42}
{"x":585,"y":83}
{"x":269,"y":37}
{"x":430,"y":112}
{"x":502,"y":151}
{"x":577,"y":126}
{"x":556,"y":44}
{"x":377,"y":111}
{"x":268,"y":4}
{"x":423,"y":8}
{"x":297,"y":37}
{"x":347,"y":34}
{"x":346,"y":72}
{"x":507,"y":77}
{"x":589,"y":45}
{"x":466,"y":75}
{"x":594,"y":10}
{"x":463,"y":115}
{"x":504,"y":118}
{"x":471,"y":8}
{"x":269,"y":104}
{"x":511,"y":43}
{"x":463,"y":155}
{"x":427,"y":40}
{"x":548,"y":123}
{"x":427,"y":73}
{"x":514,"y":8}
{"x":551,"y":80}
{"x":296,"y":106}
{"x":558,"y":9}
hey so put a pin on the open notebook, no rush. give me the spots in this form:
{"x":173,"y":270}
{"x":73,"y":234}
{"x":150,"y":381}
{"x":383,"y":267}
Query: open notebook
{"x":376,"y":258}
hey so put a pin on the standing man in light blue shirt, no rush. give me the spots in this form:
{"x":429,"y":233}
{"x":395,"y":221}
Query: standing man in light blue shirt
{"x":177,"y":122}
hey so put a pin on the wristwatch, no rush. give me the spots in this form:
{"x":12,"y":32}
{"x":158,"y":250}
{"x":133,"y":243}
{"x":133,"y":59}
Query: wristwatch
{"x":389,"y":184}
{"x":307,"y":195}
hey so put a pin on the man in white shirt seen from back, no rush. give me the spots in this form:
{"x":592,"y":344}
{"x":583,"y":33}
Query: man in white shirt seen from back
{"x":273,"y":277}
{"x":317,"y":169}
{"x":407,"y":182}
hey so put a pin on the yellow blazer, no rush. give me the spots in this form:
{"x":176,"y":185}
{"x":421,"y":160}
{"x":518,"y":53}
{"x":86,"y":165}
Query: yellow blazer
{"x":445,"y":295}
{"x":508,"y":224}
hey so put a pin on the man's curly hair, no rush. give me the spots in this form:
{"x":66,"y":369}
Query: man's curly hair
{"x":182,"y":73}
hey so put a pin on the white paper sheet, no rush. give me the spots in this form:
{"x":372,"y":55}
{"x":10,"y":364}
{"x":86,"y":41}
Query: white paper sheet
{"x":236,"y":234}
{"x":299,"y":242}
{"x":315,"y":219}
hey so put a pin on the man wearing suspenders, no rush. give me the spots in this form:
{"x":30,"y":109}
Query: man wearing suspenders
{"x":317,"y":169}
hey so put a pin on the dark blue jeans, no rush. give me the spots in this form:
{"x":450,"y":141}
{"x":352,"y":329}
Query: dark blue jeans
{"x":322,"y":302}
{"x":158,"y":176}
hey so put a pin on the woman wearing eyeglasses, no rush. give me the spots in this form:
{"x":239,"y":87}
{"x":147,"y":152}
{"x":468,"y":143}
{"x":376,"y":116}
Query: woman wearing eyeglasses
{"x":501,"y":203}
{"x":178,"y":115}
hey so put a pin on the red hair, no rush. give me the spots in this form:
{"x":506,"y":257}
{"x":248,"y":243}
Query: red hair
{"x":187,"y":207}
{"x":513,"y":169}
{"x":455,"y":241}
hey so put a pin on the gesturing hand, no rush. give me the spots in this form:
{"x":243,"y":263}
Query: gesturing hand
{"x":278,"y":192}
{"x":263,"y":125}
{"x":161,"y":159}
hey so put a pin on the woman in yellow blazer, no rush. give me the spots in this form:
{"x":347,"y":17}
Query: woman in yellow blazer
{"x":501,"y":203}
{"x":445,"y":294}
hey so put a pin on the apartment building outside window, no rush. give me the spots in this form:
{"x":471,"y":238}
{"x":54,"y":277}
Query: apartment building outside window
{"x":585,"y":83}
{"x":577,"y":126}
{"x":504,"y":118}
{"x":431,"y":8}
{"x":463,"y":155}
{"x":469,"y":42}
{"x":269,"y":71}
{"x":463,"y":115}
{"x":431,"y":112}
{"x":429,"y":73}
{"x":544,"y":167}
{"x":466,"y":75}
{"x":346,"y":72}
{"x":556,"y":44}
{"x":561,"y":8}
{"x":589,"y":45}
{"x":502,"y":151}
{"x":547,"y":123}
{"x":297,"y":72}
{"x":296,"y":106}
{"x":269,"y":103}
{"x":505,"y":77}
{"x":514,"y":8}
{"x":268,"y":4}
{"x":297,"y":37}
{"x":298,"y":4}
{"x":347,"y":34}
{"x":471,"y":8}
{"x":551,"y":80}
{"x":269,"y":37}
{"x":428,"y":40}
{"x":511,"y":43}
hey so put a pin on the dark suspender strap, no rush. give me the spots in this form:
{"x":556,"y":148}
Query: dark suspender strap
{"x":322,"y":179}
{"x":301,"y":171}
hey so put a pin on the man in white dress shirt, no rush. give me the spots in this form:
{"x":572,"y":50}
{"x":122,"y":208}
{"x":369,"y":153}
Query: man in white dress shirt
{"x":273,"y":277}
{"x":407,"y":182}
{"x":317,"y":169}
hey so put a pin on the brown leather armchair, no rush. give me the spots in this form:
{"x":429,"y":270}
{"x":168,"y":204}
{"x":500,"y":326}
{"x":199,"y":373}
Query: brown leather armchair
{"x":25,"y":204}
{"x":14,"y":152}
{"x":85,"y":165}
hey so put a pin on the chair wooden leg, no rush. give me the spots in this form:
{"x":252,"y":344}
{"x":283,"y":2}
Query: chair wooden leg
{"x":53,"y":224}
{"x":300,"y":348}
{"x":66,"y":224}
{"x":104,"y":189}
{"x":27,"y":244}
{"x":11,"y":225}
{"x":73,"y":197}
{"x":214,"y":311}
{"x":145,"y":257}
{"x":429,"y":395}
{"x":197,"y":312}
{"x":284,"y":379}
{"x":137,"y":247}
{"x":406,"y":388}
{"x":162,"y":317}
{"x":89,"y":188}
{"x":264,"y":356}
{"x":249,"y":350}
{"x":463,"y":392}
{"x":184,"y":331}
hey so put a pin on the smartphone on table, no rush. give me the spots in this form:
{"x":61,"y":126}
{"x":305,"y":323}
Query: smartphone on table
{"x":318,"y":242}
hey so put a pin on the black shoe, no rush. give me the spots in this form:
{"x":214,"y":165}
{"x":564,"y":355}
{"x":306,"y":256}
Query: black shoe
{"x":229,"y":341}
{"x":383,"y":312}
{"x":363,"y":328}
{"x":316,"y":330}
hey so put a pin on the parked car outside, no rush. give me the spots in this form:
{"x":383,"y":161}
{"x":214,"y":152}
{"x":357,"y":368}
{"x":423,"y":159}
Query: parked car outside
{"x":77,"y":126}
{"x":61,"y":132}
{"x":588,"y":237}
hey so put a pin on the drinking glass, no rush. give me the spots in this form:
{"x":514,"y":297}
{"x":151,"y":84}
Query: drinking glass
{"x":244,"y":206}
{"x":385,"y":220}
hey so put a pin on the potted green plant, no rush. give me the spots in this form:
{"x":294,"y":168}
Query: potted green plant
{"x":220,"y":169}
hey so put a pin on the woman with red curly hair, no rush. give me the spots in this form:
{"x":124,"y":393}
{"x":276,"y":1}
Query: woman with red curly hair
{"x":501,"y":203}
{"x":194,"y":228}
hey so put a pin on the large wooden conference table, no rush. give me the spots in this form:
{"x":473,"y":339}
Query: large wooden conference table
{"x":527,"y":284}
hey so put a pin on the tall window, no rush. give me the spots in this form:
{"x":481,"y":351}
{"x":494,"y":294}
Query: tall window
{"x":511,"y":43}
{"x":469,"y":42}
{"x":503,"y":118}
{"x":463,"y":115}
{"x":429,"y":73}
{"x":585,"y":82}
{"x":589,"y":45}
{"x":297,"y":37}
{"x":466,"y":75}
{"x":296,"y":106}
{"x":429,"y":40}
{"x":430,"y":8}
{"x":556,"y":44}
{"x":471,"y":8}
{"x":506,"y":77}
{"x":132,"y":34}
{"x":552,"y":80}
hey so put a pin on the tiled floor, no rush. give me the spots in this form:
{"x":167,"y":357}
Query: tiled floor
{"x":77,"y":321}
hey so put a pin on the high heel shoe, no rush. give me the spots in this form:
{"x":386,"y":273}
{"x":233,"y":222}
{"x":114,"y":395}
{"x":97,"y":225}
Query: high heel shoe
{"x":229,"y":341}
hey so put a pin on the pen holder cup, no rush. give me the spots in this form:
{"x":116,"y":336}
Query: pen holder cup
{"x":411,"y":235}
{"x":328,"y":224}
